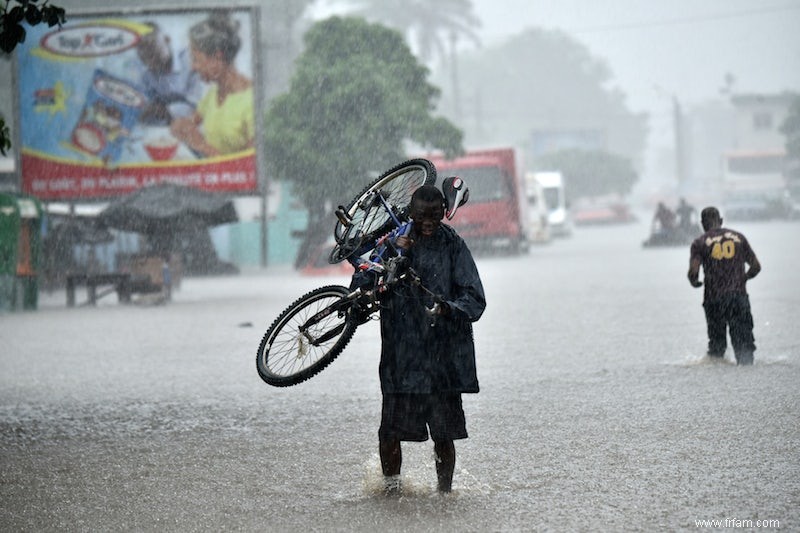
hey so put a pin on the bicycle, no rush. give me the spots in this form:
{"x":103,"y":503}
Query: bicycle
{"x":311,"y":332}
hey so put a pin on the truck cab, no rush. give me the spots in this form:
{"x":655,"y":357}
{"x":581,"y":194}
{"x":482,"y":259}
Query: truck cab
{"x":495,"y":217}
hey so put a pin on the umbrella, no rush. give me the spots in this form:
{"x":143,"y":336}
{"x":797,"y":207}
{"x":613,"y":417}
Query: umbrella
{"x":166,"y":207}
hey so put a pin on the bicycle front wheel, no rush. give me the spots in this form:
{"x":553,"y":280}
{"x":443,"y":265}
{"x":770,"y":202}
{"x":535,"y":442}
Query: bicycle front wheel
{"x":306,"y":337}
{"x":397,"y":185}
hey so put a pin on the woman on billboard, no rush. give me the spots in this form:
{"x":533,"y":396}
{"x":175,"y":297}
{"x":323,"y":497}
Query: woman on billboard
{"x":223,"y":122}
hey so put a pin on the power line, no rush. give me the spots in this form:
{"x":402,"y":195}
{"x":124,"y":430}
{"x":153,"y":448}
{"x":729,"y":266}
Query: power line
{"x":685,"y":20}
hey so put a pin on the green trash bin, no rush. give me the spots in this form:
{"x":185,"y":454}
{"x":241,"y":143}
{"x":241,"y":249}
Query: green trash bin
{"x":20,"y":251}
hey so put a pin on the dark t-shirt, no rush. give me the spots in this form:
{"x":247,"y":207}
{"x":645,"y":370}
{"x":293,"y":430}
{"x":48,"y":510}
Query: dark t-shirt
{"x":723,"y":254}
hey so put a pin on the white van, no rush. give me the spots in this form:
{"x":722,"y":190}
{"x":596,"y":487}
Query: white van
{"x":552,"y":186}
{"x":538,"y":227}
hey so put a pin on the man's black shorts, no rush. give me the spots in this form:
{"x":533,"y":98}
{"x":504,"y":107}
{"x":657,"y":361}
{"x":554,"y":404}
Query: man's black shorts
{"x":408,"y":416}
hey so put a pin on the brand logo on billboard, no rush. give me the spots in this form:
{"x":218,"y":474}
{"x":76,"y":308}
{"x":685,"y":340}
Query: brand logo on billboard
{"x":119,"y":92}
{"x":90,"y":40}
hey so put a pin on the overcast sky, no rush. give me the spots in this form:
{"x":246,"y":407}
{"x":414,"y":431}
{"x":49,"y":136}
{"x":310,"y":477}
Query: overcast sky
{"x":657,"y":49}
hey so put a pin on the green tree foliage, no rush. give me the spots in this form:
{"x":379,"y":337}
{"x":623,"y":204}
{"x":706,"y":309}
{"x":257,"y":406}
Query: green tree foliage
{"x":590,"y":172}
{"x":357,"y":96}
{"x":12,"y":32}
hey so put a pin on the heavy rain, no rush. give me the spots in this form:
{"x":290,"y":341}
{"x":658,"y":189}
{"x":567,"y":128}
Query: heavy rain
{"x":135,"y":404}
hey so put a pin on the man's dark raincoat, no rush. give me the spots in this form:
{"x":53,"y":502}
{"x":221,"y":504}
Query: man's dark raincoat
{"x":415,"y":356}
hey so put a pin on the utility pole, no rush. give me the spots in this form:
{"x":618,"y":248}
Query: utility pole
{"x":680,"y":143}
{"x":264,"y":226}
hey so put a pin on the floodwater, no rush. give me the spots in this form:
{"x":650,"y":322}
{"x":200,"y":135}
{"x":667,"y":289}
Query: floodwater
{"x":598,"y":409}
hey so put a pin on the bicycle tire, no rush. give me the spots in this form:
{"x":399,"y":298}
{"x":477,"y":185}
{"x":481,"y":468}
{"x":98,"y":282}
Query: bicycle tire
{"x":285,"y":357}
{"x":399,"y":182}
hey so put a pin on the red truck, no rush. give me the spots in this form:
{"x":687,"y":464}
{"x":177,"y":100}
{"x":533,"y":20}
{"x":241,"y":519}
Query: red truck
{"x":495,"y":218}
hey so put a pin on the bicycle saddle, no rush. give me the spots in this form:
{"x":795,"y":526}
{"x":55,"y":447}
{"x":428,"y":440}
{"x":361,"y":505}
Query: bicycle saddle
{"x":456,"y":194}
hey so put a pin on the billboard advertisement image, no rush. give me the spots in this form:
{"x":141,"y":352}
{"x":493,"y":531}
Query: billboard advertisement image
{"x":111,"y":103}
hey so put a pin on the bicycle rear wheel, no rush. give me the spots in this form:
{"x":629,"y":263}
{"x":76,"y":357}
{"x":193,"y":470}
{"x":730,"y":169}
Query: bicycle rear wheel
{"x":306,"y":337}
{"x":397,"y":185}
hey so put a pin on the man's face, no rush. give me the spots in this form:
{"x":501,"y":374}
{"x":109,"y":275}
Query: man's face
{"x":427,"y":217}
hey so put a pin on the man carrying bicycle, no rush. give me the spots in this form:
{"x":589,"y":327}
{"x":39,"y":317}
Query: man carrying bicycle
{"x":428,"y":357}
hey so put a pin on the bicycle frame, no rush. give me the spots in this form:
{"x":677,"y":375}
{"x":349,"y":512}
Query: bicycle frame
{"x":386,"y":269}
{"x":311,"y":332}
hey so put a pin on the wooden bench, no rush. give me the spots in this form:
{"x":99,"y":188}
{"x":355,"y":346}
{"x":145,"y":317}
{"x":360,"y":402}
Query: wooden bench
{"x":123,"y":283}
{"x":119,"y":282}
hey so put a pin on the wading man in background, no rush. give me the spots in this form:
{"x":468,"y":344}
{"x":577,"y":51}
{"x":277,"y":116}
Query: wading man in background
{"x":723,"y":254}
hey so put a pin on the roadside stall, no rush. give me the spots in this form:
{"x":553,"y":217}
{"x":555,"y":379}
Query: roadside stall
{"x":173,"y":219}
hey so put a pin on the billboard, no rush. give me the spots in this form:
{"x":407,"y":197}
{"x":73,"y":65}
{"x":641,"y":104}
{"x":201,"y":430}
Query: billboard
{"x":111,"y":103}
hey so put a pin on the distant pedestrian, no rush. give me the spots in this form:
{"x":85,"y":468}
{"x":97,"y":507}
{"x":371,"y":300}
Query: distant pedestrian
{"x":723,"y":254}
{"x":686,"y":213}
{"x":663,"y":220}
{"x":166,"y":278}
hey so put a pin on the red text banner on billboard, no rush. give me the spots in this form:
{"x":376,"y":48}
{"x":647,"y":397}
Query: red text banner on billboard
{"x":113,"y":103}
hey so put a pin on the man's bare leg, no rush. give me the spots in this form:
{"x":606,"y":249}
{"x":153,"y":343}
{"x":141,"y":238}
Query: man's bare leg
{"x":391,"y":461}
{"x":445,"y":464}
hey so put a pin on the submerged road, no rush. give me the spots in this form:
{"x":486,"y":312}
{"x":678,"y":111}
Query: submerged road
{"x":598,"y":409}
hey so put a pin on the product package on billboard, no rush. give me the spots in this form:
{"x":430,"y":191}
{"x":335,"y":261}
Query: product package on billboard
{"x":109,"y":114}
